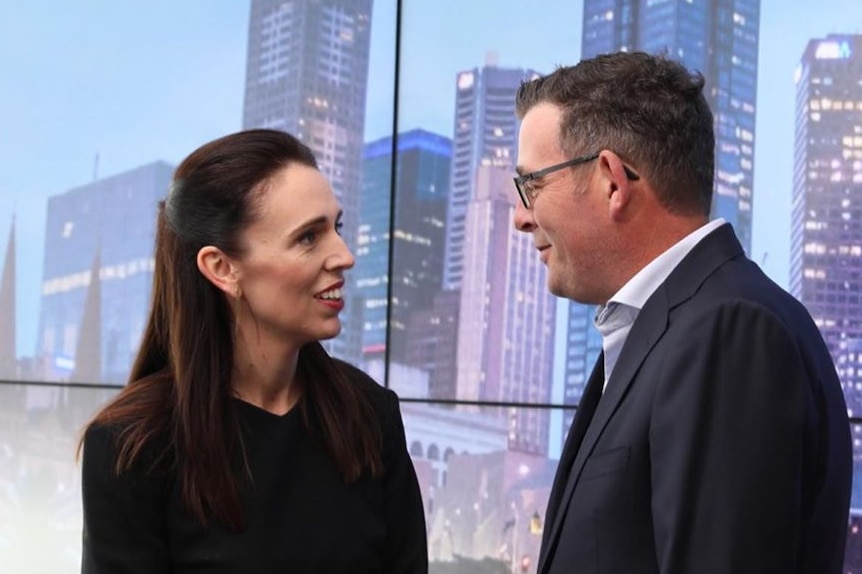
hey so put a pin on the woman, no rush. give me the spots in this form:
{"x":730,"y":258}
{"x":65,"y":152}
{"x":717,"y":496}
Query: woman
{"x":239,"y":445}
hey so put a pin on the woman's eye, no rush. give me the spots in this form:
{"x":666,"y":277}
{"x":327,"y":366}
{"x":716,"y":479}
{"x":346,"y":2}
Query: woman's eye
{"x":339,"y":225}
{"x":307,"y":238}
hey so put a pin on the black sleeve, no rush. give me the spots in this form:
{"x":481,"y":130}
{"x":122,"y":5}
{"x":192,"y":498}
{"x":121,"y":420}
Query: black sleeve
{"x":407,"y":545}
{"x":124,"y":516}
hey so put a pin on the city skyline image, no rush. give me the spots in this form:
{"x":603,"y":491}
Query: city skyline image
{"x":25,"y":183}
{"x":447,"y":304}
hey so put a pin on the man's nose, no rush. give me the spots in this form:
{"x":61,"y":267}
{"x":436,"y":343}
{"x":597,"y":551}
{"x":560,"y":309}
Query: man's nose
{"x":523,"y":218}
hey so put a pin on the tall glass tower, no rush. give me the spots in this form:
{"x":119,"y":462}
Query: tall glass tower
{"x":307,"y":74}
{"x":485,"y":133}
{"x":719,"y":39}
{"x":826,"y":227}
{"x":505,"y":329}
{"x":422,"y":183}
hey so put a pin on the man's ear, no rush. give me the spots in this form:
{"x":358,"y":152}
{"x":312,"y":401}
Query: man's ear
{"x":616,"y":185}
{"x":219,"y":269}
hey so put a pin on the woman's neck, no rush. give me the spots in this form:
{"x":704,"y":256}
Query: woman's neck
{"x":266,"y":377}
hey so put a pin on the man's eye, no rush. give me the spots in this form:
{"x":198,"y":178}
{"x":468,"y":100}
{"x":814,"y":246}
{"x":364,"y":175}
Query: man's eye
{"x":307,"y":238}
{"x":339,"y":225}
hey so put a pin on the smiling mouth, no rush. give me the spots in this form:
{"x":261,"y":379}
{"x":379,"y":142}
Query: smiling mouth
{"x":331,"y":295}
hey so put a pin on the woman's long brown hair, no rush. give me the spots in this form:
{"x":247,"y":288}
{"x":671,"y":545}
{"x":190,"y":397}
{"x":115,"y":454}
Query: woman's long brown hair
{"x":178,"y":403}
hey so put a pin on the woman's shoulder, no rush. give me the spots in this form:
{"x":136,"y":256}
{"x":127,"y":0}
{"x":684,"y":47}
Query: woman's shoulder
{"x":101,"y":439}
{"x":108,"y":442}
{"x":384,"y":401}
{"x":365,"y":382}
{"x":134,"y":426}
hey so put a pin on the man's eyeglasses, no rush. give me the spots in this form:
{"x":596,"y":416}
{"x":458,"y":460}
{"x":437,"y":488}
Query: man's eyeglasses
{"x":524,"y":183}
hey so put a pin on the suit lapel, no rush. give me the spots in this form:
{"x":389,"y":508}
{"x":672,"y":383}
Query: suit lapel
{"x":644,"y":334}
{"x":585,"y":412}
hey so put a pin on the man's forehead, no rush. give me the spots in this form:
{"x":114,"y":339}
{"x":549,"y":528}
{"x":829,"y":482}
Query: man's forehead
{"x":544,"y":114}
{"x":539,"y":136}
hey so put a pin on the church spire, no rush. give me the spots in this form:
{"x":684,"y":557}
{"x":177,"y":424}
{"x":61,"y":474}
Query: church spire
{"x":8,"y":355}
{"x":88,"y":351}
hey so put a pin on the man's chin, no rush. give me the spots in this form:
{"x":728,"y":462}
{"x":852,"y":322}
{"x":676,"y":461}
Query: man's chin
{"x":556,"y":288}
{"x":568,"y":291}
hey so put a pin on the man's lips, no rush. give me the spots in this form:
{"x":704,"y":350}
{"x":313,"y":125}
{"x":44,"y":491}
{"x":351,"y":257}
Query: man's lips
{"x":543,"y":252}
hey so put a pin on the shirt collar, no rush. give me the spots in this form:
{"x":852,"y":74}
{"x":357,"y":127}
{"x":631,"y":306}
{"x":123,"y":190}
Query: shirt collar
{"x":639,"y":288}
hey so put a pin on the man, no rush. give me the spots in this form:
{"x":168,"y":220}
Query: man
{"x":712,"y":436}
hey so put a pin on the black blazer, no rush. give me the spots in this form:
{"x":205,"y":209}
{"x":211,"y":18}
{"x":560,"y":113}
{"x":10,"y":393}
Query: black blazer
{"x":300,"y":515}
{"x":721,"y":443}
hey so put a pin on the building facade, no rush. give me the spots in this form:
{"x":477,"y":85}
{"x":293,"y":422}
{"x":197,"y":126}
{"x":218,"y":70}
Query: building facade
{"x":505,"y":330}
{"x":719,"y":39}
{"x":97,"y":275}
{"x":826,"y":220}
{"x":418,"y":219}
{"x":485,"y":132}
{"x":307,"y":74}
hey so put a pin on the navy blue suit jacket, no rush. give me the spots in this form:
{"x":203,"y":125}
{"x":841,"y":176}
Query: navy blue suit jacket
{"x":721,"y":443}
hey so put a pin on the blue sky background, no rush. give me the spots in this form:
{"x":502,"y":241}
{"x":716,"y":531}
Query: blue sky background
{"x":138,"y":81}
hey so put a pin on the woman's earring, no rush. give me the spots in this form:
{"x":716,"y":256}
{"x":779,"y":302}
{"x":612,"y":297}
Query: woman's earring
{"x":237,"y":302}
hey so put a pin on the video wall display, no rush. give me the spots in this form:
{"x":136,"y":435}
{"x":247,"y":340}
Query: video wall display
{"x":447,"y":304}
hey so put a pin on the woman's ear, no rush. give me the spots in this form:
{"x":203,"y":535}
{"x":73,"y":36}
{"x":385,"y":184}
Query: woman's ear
{"x":219,"y":269}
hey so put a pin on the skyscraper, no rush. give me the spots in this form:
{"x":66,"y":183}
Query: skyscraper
{"x":826,"y":225}
{"x":505,"y":330}
{"x":422,"y":184}
{"x":106,"y":227}
{"x":485,"y":132}
{"x":432,"y":346}
{"x":718,"y":38}
{"x":307,"y":74}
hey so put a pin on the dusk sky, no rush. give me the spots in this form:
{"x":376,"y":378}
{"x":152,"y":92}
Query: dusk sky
{"x":134,"y":82}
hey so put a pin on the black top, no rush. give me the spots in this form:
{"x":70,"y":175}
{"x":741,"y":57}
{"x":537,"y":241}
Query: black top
{"x":300,"y":516}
